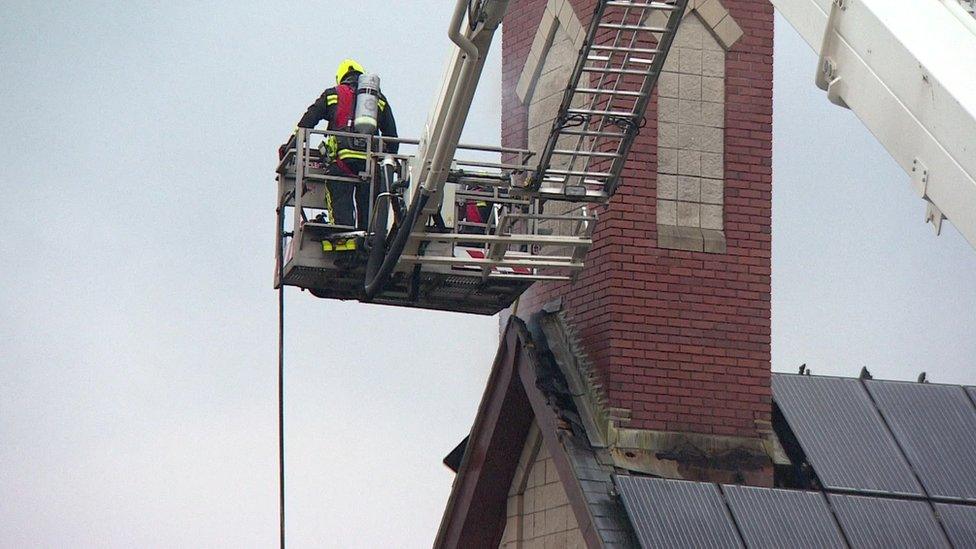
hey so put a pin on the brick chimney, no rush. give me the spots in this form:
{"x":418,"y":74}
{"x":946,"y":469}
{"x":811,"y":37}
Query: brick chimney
{"x":673,"y":308}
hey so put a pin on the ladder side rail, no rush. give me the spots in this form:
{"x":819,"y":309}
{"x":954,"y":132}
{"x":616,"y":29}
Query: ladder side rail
{"x":545,"y":157}
{"x":664,"y":47}
{"x":594,"y":98}
{"x":629,"y":132}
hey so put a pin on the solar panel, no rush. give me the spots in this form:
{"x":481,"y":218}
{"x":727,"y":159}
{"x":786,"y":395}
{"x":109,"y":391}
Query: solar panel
{"x":885,"y":523}
{"x":936,"y":427}
{"x":842,"y":435}
{"x":959,"y":522}
{"x":675,"y":513}
{"x":779,"y":519}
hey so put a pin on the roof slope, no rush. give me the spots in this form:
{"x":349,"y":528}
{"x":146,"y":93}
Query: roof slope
{"x":871,"y":463}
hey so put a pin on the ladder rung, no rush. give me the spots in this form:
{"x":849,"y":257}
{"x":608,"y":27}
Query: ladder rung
{"x":590,"y":112}
{"x":614,"y":71}
{"x":337,"y":230}
{"x":557,"y":194}
{"x":539,"y":278}
{"x":550,"y":257}
{"x":507,"y":262}
{"x":567,"y":152}
{"x":327,"y":178}
{"x":507,"y":239}
{"x":590,"y":133}
{"x":635,"y":28}
{"x":643,"y":51}
{"x":579,"y":173}
{"x":599,"y":91}
{"x":641,"y":5}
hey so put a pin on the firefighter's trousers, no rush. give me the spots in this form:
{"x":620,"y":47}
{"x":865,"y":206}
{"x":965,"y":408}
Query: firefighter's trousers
{"x":350,"y":202}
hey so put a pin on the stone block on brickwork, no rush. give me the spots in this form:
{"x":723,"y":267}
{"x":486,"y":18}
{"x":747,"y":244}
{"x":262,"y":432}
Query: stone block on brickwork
{"x":543,"y":111}
{"x":689,"y":87}
{"x":728,"y":32}
{"x":711,"y":12}
{"x":680,"y":238}
{"x":554,"y":6}
{"x":712,"y":191}
{"x":528,"y":525}
{"x":667,"y":187}
{"x":713,"y":89}
{"x":574,"y":540}
{"x":537,"y":137}
{"x":544,"y":34}
{"x":689,"y":34}
{"x":713,"y":114}
{"x":711,"y":217}
{"x":511,"y":529}
{"x":714,"y":241}
{"x":667,"y":109}
{"x":690,"y":136}
{"x":560,"y":57}
{"x":713,"y":165}
{"x":579,"y":40}
{"x":667,"y":212}
{"x":667,"y":134}
{"x":689,"y":213}
{"x":550,"y":83}
{"x":568,"y":18}
{"x":690,"y":61}
{"x":713,"y":63}
{"x":528,"y":499}
{"x":667,"y":84}
{"x":527,"y":79}
{"x":656,"y":20}
{"x":551,"y":474}
{"x":667,"y":161}
{"x":713,"y":140}
{"x":561,"y":518}
{"x":689,"y":190}
{"x":689,"y":162}
{"x":689,"y":112}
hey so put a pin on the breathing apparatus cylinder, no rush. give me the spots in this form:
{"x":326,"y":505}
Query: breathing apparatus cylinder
{"x":367,"y":106}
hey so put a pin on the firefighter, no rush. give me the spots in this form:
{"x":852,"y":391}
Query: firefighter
{"x":475,"y":211}
{"x":347,"y":156}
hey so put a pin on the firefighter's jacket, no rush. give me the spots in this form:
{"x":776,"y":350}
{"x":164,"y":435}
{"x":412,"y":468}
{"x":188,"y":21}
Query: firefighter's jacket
{"x":326,"y":107}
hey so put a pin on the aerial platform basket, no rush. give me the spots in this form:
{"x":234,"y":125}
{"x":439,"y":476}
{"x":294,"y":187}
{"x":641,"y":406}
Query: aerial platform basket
{"x":460,"y":264}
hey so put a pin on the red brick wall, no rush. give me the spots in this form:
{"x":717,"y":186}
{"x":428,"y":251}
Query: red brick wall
{"x":682,"y":338}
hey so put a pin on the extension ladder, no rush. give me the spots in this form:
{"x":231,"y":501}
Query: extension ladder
{"x":603,"y":107}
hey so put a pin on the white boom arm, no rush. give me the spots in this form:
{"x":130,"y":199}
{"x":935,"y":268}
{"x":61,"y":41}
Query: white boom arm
{"x":446,"y":120}
{"x":907,"y":68}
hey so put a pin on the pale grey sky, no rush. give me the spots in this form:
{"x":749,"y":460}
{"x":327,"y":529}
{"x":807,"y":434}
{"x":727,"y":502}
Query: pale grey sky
{"x":137,"y":333}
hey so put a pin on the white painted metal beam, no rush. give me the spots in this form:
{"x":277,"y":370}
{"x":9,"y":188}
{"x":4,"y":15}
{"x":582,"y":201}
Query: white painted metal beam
{"x":907,"y":68}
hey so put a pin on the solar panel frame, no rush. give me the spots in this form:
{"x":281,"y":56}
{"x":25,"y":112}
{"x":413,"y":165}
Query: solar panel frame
{"x":887,"y":523}
{"x":935,"y":425}
{"x":959,"y":522}
{"x":780,"y":519}
{"x":675,"y":513}
{"x":843,"y":435}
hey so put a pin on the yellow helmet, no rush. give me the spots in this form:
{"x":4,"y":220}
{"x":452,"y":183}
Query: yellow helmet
{"x":346,"y":66}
